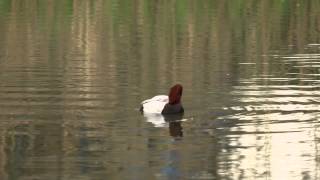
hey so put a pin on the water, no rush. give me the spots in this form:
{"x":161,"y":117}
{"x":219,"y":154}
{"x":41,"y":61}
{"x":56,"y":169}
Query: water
{"x":72,"y":75}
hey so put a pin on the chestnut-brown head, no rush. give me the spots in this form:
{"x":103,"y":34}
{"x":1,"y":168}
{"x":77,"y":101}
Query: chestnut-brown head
{"x":175,"y":94}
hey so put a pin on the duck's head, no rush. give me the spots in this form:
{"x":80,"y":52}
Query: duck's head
{"x":175,"y":94}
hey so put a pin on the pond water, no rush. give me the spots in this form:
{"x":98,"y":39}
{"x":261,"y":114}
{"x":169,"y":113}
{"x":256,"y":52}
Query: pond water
{"x":73,"y":73}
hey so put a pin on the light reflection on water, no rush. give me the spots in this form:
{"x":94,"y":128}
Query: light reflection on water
{"x":72,"y":75}
{"x":276,"y":131}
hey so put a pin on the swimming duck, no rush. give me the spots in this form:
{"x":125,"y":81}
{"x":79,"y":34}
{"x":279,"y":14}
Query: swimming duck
{"x":163,"y":104}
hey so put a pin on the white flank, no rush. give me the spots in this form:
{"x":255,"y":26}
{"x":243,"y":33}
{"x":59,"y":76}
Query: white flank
{"x":155,"y":104}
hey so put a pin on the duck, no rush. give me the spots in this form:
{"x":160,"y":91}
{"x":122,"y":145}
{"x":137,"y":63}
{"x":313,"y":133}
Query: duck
{"x":164,"y":104}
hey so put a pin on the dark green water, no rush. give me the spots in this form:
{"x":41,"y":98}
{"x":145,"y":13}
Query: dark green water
{"x":73,"y":72}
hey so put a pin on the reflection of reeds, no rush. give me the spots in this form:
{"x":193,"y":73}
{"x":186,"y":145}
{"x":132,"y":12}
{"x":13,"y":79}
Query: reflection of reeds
{"x":182,"y":37}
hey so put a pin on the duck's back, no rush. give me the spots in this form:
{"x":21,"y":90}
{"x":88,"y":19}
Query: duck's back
{"x":155,"y":104}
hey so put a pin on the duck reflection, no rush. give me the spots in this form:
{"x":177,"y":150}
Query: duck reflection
{"x":173,"y":120}
{"x":175,"y":128}
{"x":172,"y":169}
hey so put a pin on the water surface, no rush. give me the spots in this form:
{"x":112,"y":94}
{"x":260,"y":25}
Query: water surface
{"x":72,"y":75}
